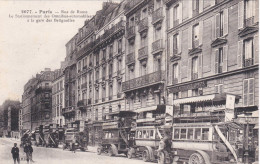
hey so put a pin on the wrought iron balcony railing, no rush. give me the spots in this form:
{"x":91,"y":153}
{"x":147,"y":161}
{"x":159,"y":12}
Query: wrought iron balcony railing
{"x":143,"y":81}
{"x":143,"y":53}
{"x":143,"y":25}
{"x":157,"y":46}
{"x":130,"y":58}
{"x":157,"y":15}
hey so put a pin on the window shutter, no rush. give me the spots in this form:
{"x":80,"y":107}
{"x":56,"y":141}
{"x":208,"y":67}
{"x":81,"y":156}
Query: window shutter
{"x":240,"y":54}
{"x":179,"y":42}
{"x":216,"y":60}
{"x":200,"y":66}
{"x":225,"y":57}
{"x":180,"y":12}
{"x":241,"y":14}
{"x":213,"y":30}
{"x":225,"y":30}
{"x":170,"y":80}
{"x":217,"y":25}
{"x":216,"y":89}
{"x":245,"y":92}
{"x":221,"y":88}
{"x":200,"y":6}
{"x":190,"y":37}
{"x":251,"y":92}
{"x":256,"y":46}
{"x":171,"y":18}
{"x":200,"y":32}
{"x":189,"y":69}
{"x":256,"y":19}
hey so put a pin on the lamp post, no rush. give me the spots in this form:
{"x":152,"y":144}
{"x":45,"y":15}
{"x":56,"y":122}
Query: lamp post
{"x":247,"y":137}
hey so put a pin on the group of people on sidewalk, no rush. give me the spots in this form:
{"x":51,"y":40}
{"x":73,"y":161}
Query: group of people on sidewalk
{"x":27,"y":149}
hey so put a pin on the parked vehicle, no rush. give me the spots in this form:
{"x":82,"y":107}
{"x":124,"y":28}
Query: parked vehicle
{"x":39,"y":136}
{"x":116,"y":133}
{"x":51,"y":135}
{"x":73,"y":137}
{"x":203,"y":143}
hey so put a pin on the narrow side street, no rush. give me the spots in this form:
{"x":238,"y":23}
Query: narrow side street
{"x":43,"y":155}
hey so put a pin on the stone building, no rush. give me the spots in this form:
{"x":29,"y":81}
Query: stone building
{"x":58,"y":97}
{"x":41,"y":102}
{"x":13,"y":118}
{"x":144,"y":85}
{"x":212,"y":52}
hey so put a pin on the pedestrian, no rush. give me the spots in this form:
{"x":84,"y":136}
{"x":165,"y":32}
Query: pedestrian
{"x":15,"y":153}
{"x":28,"y":150}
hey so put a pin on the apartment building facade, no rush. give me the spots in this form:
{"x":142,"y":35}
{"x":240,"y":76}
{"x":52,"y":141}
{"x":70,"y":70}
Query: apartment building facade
{"x":58,"y":97}
{"x":41,"y":101}
{"x":144,"y":85}
{"x":212,"y":53}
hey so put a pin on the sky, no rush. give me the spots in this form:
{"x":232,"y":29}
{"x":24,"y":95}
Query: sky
{"x":26,"y":48}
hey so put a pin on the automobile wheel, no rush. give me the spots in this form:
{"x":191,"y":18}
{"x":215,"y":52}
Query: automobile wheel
{"x":196,"y":158}
{"x":161,"y":158}
{"x":145,"y":156}
{"x":110,"y":152}
{"x":99,"y":151}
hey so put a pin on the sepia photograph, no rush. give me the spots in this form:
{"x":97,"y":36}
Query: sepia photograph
{"x":129,"y":81}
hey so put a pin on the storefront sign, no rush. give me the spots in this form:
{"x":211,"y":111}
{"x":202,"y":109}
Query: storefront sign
{"x":230,"y":101}
{"x":110,"y":125}
{"x":191,"y":86}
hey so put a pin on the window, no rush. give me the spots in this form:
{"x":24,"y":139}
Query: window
{"x":103,"y":94}
{"x":176,"y":45}
{"x":111,"y":51}
{"x":175,"y":74}
{"x":220,"y":24}
{"x":197,"y":135}
{"x":248,"y":92}
{"x":176,"y":15}
{"x":176,"y":133}
{"x":119,"y":46}
{"x":190,"y":134}
{"x":97,"y":59}
{"x":110,"y":70}
{"x":195,"y":4}
{"x":104,"y":72}
{"x":219,"y":88}
{"x":194,"y":72}
{"x":97,"y":95}
{"x":96,"y":114}
{"x":195,"y":36}
{"x":143,"y":70}
{"x":103,"y":113}
{"x":140,"y":134}
{"x":144,"y":13}
{"x":110,"y":92}
{"x":175,"y":95}
{"x":104,"y":54}
{"x":151,"y":134}
{"x":195,"y":92}
{"x":132,"y":22}
{"x":157,"y":64}
{"x":249,"y":8}
{"x":248,"y":52}
{"x":143,"y":100}
{"x":183,"y":134}
{"x":97,"y":73}
{"x":205,"y":133}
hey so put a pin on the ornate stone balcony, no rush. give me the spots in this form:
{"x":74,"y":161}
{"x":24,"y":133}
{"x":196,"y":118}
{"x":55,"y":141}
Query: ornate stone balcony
{"x":130,"y":58}
{"x":130,"y":32}
{"x":144,"y":81}
{"x":143,"y":25}
{"x":157,"y":15}
{"x":157,"y":46}
{"x":143,"y":53}
{"x":68,"y":110}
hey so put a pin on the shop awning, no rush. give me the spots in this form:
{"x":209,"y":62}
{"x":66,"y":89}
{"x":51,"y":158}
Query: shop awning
{"x":204,"y":98}
{"x":151,"y":108}
{"x":194,"y":99}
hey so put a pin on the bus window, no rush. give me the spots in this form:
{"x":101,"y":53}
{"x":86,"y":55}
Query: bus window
{"x":190,"y":134}
{"x":151,"y":134}
{"x":176,"y":133}
{"x":140,"y":134}
{"x":144,"y":133}
{"x":183,"y":133}
{"x":147,"y":134}
{"x":136,"y":134}
{"x":197,"y":134}
{"x":205,"y":133}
